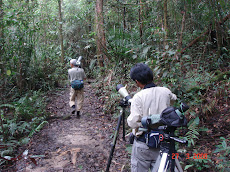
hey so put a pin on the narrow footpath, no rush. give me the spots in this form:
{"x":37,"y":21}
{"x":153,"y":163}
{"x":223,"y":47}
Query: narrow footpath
{"x":68,"y":144}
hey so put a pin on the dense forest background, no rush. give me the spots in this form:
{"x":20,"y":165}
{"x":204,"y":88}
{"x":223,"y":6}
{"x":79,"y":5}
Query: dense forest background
{"x":185,"y":42}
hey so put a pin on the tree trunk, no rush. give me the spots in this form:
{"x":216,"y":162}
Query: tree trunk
{"x":180,"y":39}
{"x":1,"y":30}
{"x":1,"y":51}
{"x":124,"y":21}
{"x":44,"y":23}
{"x":140,"y":21}
{"x":60,"y":31}
{"x":218,"y":38}
{"x":100,"y":36}
{"x":165,"y":24}
{"x":224,"y":28}
{"x":181,"y":33}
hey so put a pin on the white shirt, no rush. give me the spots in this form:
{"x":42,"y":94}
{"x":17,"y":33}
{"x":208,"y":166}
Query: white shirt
{"x":147,"y":102}
{"x":76,"y":73}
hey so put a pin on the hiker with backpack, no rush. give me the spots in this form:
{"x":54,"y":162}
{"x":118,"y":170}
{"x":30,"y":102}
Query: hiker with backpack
{"x":76,"y":76}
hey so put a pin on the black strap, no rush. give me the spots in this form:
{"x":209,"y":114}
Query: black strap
{"x":141,"y":138}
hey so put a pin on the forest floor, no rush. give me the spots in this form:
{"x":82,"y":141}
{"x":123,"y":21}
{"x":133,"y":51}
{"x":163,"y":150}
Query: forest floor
{"x":69,"y":144}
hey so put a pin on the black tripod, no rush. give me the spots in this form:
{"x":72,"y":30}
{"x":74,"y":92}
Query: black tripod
{"x":124,"y":103}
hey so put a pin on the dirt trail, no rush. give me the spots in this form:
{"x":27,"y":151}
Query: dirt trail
{"x":70,"y":144}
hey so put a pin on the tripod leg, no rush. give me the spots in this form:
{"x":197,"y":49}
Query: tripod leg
{"x":178,"y":166}
{"x":164,"y":162}
{"x":157,"y":164}
{"x":123,"y":118}
{"x":114,"y":141}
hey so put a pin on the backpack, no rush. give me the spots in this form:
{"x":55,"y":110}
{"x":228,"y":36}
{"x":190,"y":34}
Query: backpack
{"x":77,"y":84}
{"x":152,"y":139}
{"x":170,"y":117}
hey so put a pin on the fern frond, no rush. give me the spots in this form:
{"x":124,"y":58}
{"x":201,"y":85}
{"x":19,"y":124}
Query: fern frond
{"x":7,"y":105}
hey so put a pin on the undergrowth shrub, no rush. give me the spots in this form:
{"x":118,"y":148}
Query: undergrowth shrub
{"x":221,"y":155}
{"x":46,"y":75}
{"x":19,"y":121}
{"x":39,"y":75}
{"x":30,"y":106}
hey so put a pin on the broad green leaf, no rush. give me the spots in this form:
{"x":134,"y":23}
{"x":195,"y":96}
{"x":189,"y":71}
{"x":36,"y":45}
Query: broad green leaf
{"x":192,"y":141}
{"x":224,"y":144}
{"x":8,"y":72}
{"x":92,"y":63}
{"x":134,"y":56}
{"x":170,"y":52}
{"x":25,"y":140}
{"x":41,"y":125}
{"x":197,"y":121}
{"x":165,"y":74}
{"x":188,"y":166}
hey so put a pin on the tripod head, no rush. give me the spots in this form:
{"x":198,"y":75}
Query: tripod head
{"x":167,"y":134}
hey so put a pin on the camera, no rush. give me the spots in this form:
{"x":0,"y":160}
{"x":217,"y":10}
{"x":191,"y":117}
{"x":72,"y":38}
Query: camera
{"x":172,"y":117}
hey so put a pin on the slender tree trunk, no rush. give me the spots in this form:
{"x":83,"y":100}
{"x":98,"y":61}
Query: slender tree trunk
{"x":218,"y":38}
{"x":165,"y":24}
{"x":1,"y":30}
{"x":20,"y":80}
{"x":124,"y":21}
{"x":44,"y":23}
{"x":140,"y":21}
{"x":100,"y":36}
{"x":1,"y":50}
{"x":224,"y":28}
{"x":181,"y":33}
{"x":60,"y":31}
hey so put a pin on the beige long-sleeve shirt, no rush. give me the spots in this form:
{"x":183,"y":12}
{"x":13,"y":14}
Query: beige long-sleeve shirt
{"x":147,"y":102}
{"x":76,"y":73}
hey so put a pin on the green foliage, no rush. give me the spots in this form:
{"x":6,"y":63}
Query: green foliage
{"x":200,"y":164}
{"x":121,"y":46}
{"x":193,"y":132}
{"x":93,"y":70}
{"x":20,"y":120}
{"x":222,"y":154}
{"x":193,"y":85}
{"x":30,"y":54}
{"x":30,"y":106}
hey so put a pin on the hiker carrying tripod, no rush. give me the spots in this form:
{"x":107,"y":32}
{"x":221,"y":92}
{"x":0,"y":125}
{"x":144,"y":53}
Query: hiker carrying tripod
{"x":150,"y":100}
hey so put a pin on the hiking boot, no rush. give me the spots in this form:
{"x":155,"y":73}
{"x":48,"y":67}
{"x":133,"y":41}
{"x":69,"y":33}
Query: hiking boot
{"x":73,"y":110}
{"x":78,"y":115}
